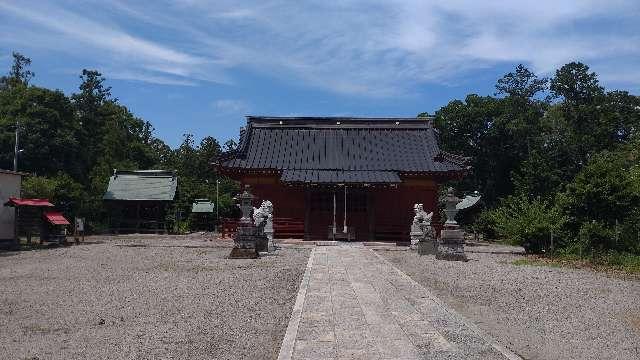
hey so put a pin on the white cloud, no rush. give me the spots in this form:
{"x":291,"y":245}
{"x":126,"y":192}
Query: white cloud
{"x":369,"y":48}
{"x":231,"y":106}
{"x":138,"y":59}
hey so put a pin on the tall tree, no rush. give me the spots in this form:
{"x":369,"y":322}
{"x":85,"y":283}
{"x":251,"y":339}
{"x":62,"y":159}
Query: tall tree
{"x":497,"y":133}
{"x":522,"y":83}
{"x":20,"y":74}
{"x":575,"y":84}
{"x":88,"y":104}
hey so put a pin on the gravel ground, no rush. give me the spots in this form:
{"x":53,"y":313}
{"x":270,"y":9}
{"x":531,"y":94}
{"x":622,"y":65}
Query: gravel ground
{"x":537,"y":312}
{"x":146,"y":298}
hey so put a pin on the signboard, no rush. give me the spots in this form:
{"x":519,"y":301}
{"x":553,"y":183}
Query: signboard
{"x":79,"y":224}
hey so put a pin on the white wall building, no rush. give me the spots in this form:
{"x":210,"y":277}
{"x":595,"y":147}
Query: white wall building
{"x":10,"y":185}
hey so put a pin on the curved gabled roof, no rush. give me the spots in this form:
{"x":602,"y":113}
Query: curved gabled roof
{"x":297,"y":145}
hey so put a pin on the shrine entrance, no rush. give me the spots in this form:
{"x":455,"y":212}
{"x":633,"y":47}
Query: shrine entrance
{"x":339,"y":213}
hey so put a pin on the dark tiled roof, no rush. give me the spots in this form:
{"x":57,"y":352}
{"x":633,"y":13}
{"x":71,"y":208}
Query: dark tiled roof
{"x":363,"y":147}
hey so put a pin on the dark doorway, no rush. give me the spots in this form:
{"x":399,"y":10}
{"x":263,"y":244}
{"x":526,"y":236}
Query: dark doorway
{"x":320,"y":215}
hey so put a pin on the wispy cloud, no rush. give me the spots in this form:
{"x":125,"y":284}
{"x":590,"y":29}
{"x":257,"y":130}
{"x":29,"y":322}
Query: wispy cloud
{"x":138,"y":58}
{"x":366,"y":48}
{"x":231,"y":106}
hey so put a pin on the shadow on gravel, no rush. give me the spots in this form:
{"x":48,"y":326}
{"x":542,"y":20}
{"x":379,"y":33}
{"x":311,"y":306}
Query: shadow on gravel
{"x":175,"y":246}
{"x":492,"y":248}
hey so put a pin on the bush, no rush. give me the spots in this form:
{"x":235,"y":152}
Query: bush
{"x":595,"y":236}
{"x":525,"y":222}
{"x":603,"y":204}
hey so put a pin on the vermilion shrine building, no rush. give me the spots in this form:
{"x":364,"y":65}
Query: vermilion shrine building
{"x":324,"y":172}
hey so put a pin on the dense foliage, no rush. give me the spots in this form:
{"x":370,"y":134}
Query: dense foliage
{"x":552,"y":156}
{"x":72,"y":144}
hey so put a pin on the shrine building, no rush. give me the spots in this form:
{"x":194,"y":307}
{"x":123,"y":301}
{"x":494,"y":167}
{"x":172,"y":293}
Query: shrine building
{"x":342,"y":178}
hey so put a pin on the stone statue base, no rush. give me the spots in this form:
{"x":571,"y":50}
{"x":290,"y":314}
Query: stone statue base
{"x":427,"y":247}
{"x":270,"y":244}
{"x":262,"y":243}
{"x":415,"y":239}
{"x":451,"y":245}
{"x":239,"y":253}
{"x":245,"y":242}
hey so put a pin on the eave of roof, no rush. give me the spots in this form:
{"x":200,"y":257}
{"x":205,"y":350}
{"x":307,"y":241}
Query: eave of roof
{"x":56,"y":218}
{"x":142,"y":185}
{"x":28,"y":202}
{"x":321,"y":144}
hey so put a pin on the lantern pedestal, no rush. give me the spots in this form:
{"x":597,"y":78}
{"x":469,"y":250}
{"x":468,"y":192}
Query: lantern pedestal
{"x":451,"y":245}
{"x":245,"y":241}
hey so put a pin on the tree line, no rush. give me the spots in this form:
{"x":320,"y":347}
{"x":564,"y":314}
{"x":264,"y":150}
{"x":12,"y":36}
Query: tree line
{"x":73,"y":143}
{"x":554,"y":158}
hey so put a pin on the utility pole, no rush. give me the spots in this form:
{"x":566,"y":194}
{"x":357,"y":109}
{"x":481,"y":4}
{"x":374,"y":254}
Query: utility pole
{"x":15,"y":149}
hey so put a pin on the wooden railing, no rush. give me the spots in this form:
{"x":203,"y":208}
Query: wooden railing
{"x":228,"y":227}
{"x":283,"y":228}
{"x":391,"y":230}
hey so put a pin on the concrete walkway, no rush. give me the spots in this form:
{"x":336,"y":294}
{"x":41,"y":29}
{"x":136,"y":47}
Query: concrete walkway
{"x":353,"y":304}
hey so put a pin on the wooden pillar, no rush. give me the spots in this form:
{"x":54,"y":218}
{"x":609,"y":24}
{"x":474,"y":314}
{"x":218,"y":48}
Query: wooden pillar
{"x":307,"y":214}
{"x":157,"y":214}
{"x":138,"y":217}
{"x":371,"y":214}
{"x":16,"y":237}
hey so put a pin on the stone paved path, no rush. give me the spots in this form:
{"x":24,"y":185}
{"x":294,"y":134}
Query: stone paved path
{"x":353,"y":304}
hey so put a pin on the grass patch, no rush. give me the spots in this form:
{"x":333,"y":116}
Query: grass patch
{"x":611,"y":262}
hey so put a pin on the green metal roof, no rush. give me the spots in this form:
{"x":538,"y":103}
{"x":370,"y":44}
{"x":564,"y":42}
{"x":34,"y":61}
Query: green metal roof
{"x":158,"y":185}
{"x":202,"y":206}
{"x":469,"y":201}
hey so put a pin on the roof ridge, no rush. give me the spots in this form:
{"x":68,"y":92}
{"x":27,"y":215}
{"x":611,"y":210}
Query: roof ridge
{"x":320,"y":121}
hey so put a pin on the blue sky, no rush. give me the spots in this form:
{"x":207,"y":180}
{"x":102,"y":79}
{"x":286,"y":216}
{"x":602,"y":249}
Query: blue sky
{"x":200,"y":66}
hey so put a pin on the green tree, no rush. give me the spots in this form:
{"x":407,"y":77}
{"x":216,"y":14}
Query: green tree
{"x":522,"y":84}
{"x":497,"y":133}
{"x":19,"y":75}
{"x":72,"y":144}
{"x":526,"y":222}
{"x":605,"y":193}
{"x":575,"y":84}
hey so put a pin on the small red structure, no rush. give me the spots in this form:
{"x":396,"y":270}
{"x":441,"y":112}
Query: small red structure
{"x":56,"y":218}
{"x":36,"y":216}
{"x":29,"y":202}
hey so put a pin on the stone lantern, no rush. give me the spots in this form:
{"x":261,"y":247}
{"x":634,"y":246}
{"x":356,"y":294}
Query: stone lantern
{"x":244,"y":242}
{"x":450,"y":209}
{"x":245,"y":201}
{"x":451,"y":243}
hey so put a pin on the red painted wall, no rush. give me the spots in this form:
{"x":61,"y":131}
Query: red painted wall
{"x":392,"y":207}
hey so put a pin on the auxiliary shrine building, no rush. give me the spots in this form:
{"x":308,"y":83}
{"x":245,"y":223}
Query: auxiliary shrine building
{"x":342,"y":178}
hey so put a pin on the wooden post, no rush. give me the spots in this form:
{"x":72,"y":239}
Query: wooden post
{"x":16,"y":236}
{"x":138,"y":217}
{"x":157,"y":222}
{"x":333,"y":229}
{"x":371,"y":215}
{"x":345,"y":210}
{"x":307,"y":213}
